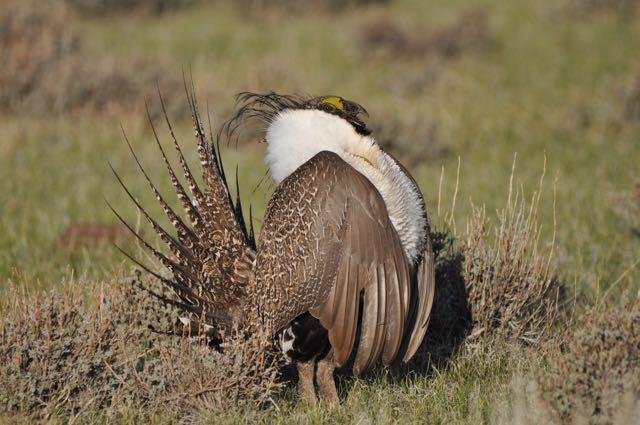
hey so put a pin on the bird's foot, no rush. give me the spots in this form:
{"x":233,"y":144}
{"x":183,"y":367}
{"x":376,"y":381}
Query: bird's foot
{"x":305,"y":383}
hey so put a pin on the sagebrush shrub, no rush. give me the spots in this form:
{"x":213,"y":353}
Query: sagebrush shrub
{"x":594,"y":370}
{"x":510,"y":280}
{"x":63,"y":356}
{"x":494,"y":280}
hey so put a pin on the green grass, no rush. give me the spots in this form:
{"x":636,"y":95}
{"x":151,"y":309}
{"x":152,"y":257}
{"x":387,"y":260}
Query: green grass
{"x":551,"y":85}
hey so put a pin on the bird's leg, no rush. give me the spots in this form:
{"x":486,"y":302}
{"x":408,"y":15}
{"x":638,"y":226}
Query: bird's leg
{"x":305,"y":382}
{"x":326,"y":381}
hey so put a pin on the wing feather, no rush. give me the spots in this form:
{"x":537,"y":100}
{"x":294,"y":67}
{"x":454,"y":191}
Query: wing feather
{"x":426,"y":283}
{"x":336,"y":202}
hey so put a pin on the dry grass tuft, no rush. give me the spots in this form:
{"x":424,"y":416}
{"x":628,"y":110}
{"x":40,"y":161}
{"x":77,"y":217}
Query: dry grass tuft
{"x":594,"y":372}
{"x":468,"y":33}
{"x":46,"y":67}
{"x":509,"y":276}
{"x":495,"y":282}
{"x":61,"y":356}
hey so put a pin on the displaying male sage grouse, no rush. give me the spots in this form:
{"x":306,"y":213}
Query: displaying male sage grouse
{"x":344,"y":253}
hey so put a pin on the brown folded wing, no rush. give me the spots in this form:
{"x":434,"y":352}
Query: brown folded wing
{"x":327,"y":243}
{"x":426,"y":283}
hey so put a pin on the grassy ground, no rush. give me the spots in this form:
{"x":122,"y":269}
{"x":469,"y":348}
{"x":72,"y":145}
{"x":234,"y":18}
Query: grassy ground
{"x":546,"y":81}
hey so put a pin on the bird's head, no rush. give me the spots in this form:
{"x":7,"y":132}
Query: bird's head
{"x":297,"y":127}
{"x":346,"y":109}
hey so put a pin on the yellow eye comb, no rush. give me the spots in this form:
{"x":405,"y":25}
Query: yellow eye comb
{"x":335,"y":101}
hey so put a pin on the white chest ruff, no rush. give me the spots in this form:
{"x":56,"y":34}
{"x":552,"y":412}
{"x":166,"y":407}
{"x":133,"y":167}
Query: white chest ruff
{"x":295,"y":136}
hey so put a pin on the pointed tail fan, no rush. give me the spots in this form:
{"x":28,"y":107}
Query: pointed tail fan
{"x":212,"y":253}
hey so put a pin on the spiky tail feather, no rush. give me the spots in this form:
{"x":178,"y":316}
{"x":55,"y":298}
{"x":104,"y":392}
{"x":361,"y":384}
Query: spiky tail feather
{"x":212,"y":254}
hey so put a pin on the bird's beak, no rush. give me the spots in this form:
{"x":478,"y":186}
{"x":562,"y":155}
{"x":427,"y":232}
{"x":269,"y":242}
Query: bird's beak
{"x":354,"y":109}
{"x":361,"y":110}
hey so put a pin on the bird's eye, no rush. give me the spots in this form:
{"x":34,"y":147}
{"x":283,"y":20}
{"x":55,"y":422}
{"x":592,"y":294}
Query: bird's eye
{"x":327,"y":107}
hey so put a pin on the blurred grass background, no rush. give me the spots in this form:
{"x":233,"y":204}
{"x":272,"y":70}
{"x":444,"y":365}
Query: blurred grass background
{"x":478,"y":80}
{"x":472,"y":82}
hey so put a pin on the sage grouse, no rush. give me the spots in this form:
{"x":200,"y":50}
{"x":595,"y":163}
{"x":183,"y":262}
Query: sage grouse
{"x":343,"y":267}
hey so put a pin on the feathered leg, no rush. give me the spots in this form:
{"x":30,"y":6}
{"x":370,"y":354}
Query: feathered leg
{"x":305,"y":382}
{"x":326,"y":381}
